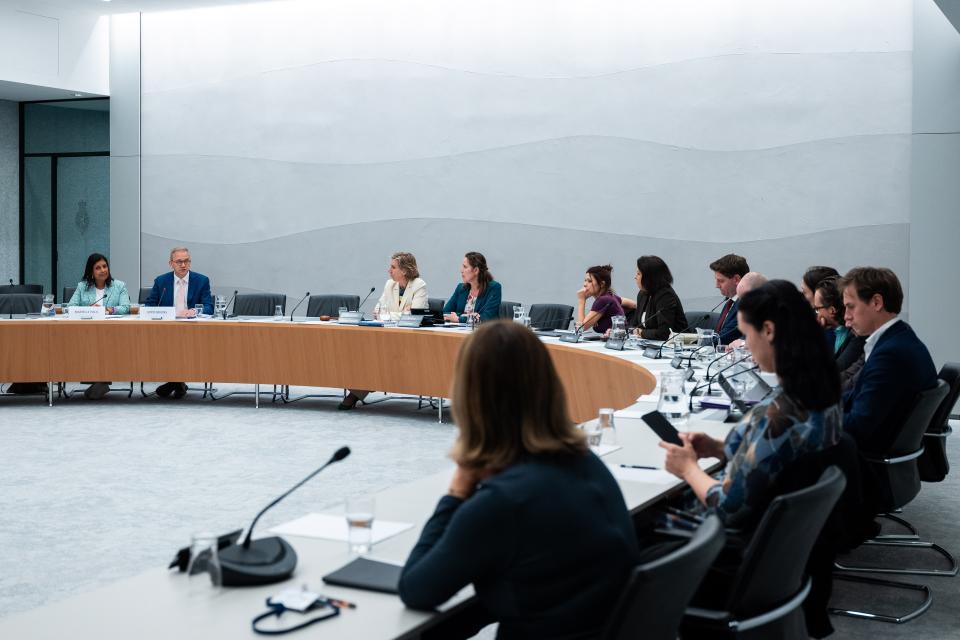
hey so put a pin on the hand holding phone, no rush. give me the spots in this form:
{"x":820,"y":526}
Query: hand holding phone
{"x":662,"y":427}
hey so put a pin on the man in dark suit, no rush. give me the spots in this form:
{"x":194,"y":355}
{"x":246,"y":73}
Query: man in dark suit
{"x":183,"y":289}
{"x":897,"y":365}
{"x":727,"y":272}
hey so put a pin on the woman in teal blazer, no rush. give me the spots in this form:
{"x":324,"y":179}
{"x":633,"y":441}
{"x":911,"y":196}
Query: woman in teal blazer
{"x":99,"y":287}
{"x":479,"y":293}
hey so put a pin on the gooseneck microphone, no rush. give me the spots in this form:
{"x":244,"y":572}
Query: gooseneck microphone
{"x":364,"y":301}
{"x":160,"y":299}
{"x":227,"y":306}
{"x":265,"y":560}
{"x":298,"y":305}
{"x":689,"y":324}
{"x":11,"y":282}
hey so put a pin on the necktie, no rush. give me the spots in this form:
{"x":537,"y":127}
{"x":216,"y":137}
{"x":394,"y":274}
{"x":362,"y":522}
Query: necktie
{"x":181,"y":303}
{"x":723,"y":316}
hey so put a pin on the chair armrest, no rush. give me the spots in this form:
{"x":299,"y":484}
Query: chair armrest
{"x":899,"y":459}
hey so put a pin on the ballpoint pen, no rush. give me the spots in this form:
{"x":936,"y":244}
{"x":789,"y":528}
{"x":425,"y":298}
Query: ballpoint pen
{"x":637,"y":466}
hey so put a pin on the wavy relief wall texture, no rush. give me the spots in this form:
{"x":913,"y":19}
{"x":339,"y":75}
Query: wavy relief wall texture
{"x":307,"y":176}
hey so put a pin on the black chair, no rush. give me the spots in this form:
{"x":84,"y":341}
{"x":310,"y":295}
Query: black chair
{"x":768,"y":585}
{"x":890,"y":482}
{"x":21,"y":288}
{"x":933,"y":465}
{"x":328,"y":304}
{"x":550,"y":317}
{"x":258,"y":304}
{"x":657,"y":592}
{"x":144,"y":294}
{"x":67,"y":294}
{"x":701,"y":320}
{"x":20,"y":303}
{"x":506,"y":309}
{"x":436,"y":305}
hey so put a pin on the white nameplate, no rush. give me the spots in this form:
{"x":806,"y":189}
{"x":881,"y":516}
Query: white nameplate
{"x":409,"y":320}
{"x":350,"y":317}
{"x":86,"y":313}
{"x":158,"y":313}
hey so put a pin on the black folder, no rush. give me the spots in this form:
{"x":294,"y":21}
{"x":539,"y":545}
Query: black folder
{"x":367,"y":574}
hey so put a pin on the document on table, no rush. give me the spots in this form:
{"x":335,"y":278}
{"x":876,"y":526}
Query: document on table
{"x":334,"y":527}
{"x":603,"y":449}
{"x":650,"y":476}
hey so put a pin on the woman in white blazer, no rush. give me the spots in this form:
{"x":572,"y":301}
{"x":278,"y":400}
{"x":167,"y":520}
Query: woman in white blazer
{"x":405,"y":290}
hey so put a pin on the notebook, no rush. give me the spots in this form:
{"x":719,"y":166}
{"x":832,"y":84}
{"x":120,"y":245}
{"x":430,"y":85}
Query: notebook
{"x":371,"y":575}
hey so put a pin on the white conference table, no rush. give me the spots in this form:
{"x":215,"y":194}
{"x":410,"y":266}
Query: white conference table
{"x":161,"y":605}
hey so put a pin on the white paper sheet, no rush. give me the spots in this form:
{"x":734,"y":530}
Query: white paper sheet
{"x":650,"y":476}
{"x":334,"y":527}
{"x":604,"y":449}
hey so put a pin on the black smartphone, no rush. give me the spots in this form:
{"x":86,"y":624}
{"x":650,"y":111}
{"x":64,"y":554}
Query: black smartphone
{"x":662,"y":427}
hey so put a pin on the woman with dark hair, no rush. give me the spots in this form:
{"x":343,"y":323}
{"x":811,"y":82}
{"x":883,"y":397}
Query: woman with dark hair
{"x":802,"y":415}
{"x":813,"y":277}
{"x":846,"y":345}
{"x":99,"y":288}
{"x":597,"y":284}
{"x":477,"y":295}
{"x":533,"y":519}
{"x":658,"y":310}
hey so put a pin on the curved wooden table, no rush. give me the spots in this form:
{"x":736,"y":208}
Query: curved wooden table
{"x":410,"y":361}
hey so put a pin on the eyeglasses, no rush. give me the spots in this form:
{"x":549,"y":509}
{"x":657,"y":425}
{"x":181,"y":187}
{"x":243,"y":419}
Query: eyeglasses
{"x":181,"y":263}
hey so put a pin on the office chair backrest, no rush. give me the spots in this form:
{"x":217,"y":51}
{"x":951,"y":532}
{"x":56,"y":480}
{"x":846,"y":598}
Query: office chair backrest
{"x":897,"y":483}
{"x":506,"y":309}
{"x":328,"y":304}
{"x":67,"y":294}
{"x":550,"y":317}
{"x":258,"y":304}
{"x":21,"y":288}
{"x":657,"y":593}
{"x":933,"y":465}
{"x":144,"y":294}
{"x":20,"y":303}
{"x":701,"y":320}
{"x":436,"y":305}
{"x":774,"y":562}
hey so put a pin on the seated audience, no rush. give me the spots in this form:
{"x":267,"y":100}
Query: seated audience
{"x":99,"y":288}
{"x":847,"y":346}
{"x":183,"y":289}
{"x":802,"y":415}
{"x":658,"y":310}
{"x":533,"y":519}
{"x":813,"y":277}
{"x":403,"y":291}
{"x":727,"y":272}
{"x":897,"y":365}
{"x":478,"y":294}
{"x":606,"y":304}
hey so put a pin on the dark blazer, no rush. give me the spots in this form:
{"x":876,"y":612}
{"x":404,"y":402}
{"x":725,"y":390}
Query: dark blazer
{"x":729,"y":331}
{"x":850,"y":351}
{"x":664,"y":312}
{"x":547,"y":543}
{"x":899,"y":368}
{"x":198,"y":292}
{"x":487,"y":303}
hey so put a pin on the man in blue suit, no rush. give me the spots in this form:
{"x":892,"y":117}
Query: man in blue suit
{"x":183,"y":289}
{"x":897,"y":365}
{"x":727,"y":272}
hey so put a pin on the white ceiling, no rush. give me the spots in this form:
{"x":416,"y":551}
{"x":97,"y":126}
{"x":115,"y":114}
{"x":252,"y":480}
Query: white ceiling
{"x":100,"y":7}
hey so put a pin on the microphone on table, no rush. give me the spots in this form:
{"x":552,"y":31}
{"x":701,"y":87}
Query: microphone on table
{"x":372,"y":289}
{"x":689,"y":324}
{"x":232,"y":298}
{"x":97,"y":301}
{"x":265,"y":560}
{"x":160,"y":299}
{"x":709,"y":383}
{"x":298,"y":304}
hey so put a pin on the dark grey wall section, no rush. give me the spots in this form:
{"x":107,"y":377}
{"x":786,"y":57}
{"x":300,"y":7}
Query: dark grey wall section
{"x":53,"y":129}
{"x":9,"y":191}
{"x":334,"y":260}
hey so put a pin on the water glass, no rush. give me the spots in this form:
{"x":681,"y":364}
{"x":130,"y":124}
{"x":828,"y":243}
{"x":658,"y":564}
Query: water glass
{"x":341,"y":311}
{"x":278,"y":313}
{"x":219,"y":305}
{"x":359,"y":512}
{"x":593,"y":431}
{"x":608,"y":431}
{"x":618,"y":328}
{"x":519,"y":313}
{"x":46,"y":309}
{"x":204,"y":557}
{"x":199,"y":310}
{"x":706,"y":337}
{"x":673,"y":404}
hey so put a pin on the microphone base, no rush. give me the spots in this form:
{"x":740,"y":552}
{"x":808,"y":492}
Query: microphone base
{"x":266,"y":561}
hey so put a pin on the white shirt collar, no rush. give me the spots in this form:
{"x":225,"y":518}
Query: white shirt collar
{"x":875,"y":337}
{"x":186,"y":279}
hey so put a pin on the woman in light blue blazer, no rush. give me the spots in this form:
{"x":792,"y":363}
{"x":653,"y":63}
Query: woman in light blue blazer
{"x":99,"y":288}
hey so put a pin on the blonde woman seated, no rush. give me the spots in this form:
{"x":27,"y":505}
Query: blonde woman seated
{"x":405,"y":290}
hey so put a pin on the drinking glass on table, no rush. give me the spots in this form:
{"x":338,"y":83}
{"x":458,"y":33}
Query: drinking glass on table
{"x":359,"y":512}
{"x":204,"y":557}
{"x":198,"y":309}
{"x":46,"y":308}
{"x":673,"y":404}
{"x":278,"y":313}
{"x":220,"y":304}
{"x":608,"y":432}
{"x":341,"y":311}
{"x":593,"y":431}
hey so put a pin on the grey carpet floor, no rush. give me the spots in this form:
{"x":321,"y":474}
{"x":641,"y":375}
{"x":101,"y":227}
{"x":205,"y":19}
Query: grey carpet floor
{"x":92,"y":492}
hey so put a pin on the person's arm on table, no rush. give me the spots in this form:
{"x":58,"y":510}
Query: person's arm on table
{"x":123,"y":300}
{"x":466,"y":538}
{"x":682,"y":462}
{"x":450,"y":311}
{"x":489,"y":303}
{"x":205,"y":298}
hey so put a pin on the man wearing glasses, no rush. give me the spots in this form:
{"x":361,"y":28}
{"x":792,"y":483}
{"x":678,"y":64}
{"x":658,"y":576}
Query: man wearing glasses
{"x":183,"y":289}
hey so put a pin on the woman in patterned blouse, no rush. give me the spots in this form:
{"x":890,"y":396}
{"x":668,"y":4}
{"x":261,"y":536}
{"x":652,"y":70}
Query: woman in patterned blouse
{"x":802,"y":415}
